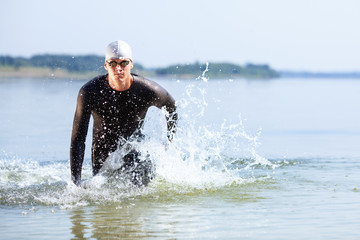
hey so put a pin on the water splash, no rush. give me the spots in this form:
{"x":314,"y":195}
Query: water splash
{"x":203,"y":157}
{"x":203,"y":75}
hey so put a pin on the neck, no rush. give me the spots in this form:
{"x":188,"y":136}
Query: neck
{"x":120,"y":84}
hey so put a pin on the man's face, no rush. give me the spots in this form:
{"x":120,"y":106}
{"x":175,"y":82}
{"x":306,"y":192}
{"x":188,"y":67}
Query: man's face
{"x":119,"y":69}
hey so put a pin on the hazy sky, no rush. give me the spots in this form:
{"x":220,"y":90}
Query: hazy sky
{"x":316,"y":35}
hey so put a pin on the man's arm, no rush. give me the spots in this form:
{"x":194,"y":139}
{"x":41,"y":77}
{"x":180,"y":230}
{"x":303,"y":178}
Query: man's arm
{"x":79,"y":131}
{"x":166,"y":101}
{"x":171,"y":118}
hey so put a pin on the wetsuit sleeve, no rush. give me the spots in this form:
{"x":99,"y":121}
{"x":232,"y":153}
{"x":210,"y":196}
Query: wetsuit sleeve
{"x":79,"y":132}
{"x":166,"y":101}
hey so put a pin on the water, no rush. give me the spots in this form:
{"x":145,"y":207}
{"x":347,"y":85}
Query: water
{"x":274,"y":159}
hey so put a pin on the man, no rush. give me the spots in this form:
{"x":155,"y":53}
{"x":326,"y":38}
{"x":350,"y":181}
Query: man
{"x":118,"y":102}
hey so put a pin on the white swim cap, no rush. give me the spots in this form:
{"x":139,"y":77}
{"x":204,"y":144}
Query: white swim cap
{"x":118,"y":49}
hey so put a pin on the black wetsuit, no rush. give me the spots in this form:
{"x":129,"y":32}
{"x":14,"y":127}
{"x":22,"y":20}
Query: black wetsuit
{"x":116,"y":114}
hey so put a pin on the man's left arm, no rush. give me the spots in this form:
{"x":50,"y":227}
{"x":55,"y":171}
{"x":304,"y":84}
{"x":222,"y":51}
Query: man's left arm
{"x":166,"y":101}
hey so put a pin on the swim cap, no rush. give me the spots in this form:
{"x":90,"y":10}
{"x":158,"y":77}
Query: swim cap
{"x":118,"y":49}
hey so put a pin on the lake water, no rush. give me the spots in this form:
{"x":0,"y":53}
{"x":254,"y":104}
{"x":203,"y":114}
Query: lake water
{"x":252,"y":159}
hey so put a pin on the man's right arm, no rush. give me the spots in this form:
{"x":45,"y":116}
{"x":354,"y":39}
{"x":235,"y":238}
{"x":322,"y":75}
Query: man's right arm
{"x":78,"y":137}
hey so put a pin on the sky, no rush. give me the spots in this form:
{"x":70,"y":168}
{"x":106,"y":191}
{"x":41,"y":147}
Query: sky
{"x":298,"y":35}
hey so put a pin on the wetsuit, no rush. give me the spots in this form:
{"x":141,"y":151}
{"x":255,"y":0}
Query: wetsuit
{"x":116,"y":114}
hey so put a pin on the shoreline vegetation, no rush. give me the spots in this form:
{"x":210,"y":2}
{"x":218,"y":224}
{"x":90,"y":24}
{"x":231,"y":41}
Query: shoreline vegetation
{"x":88,"y":66}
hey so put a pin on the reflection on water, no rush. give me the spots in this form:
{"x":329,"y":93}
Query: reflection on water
{"x":194,"y":215}
{"x":110,"y":222}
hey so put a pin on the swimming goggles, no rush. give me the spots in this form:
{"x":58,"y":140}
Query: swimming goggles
{"x":122,"y":63}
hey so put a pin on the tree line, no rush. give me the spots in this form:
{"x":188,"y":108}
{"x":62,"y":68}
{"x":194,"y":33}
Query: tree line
{"x":218,"y":70}
{"x":94,"y":63}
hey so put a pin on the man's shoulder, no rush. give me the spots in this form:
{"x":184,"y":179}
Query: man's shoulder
{"x":139,"y":78}
{"x":94,"y":83}
{"x":143,"y":81}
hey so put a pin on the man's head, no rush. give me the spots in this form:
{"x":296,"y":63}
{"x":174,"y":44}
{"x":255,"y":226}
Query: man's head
{"x":118,"y":60}
{"x":118,"y":50}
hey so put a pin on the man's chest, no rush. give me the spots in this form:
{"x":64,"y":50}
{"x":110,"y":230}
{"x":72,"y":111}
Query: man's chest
{"x":115,"y":104}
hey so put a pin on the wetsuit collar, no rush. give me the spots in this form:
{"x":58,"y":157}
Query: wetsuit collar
{"x":116,"y":86}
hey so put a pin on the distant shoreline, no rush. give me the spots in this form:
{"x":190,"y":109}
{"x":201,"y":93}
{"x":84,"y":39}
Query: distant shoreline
{"x":58,"y":73}
{"x":82,"y":66}
{"x":42,"y":72}
{"x":88,"y":66}
{"x":308,"y":74}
